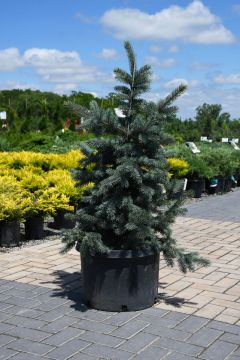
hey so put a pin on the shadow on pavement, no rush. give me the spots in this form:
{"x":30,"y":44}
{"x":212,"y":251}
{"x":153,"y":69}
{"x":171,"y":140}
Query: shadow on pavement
{"x":69,"y":286}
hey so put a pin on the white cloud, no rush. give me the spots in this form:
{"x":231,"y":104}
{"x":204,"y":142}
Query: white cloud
{"x":194,"y":23}
{"x":175,"y":83}
{"x":61,"y":66}
{"x":108,"y":54}
{"x":155,"y":48}
{"x":173,"y":49}
{"x":172,"y":84}
{"x":199,"y":94}
{"x":64,"y":88}
{"x":200,"y":66}
{"x":154,"y":61}
{"x":10,"y":59}
{"x":9,"y":85}
{"x":227,"y":79}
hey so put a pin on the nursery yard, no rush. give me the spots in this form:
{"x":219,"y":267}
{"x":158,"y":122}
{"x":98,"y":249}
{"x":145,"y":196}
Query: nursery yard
{"x":197,"y":316}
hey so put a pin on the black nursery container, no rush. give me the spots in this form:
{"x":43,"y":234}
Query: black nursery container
{"x":221,"y":186}
{"x":120,"y":280}
{"x":197,"y":186}
{"x":9,"y":233}
{"x":61,"y":221}
{"x":228,"y":184}
{"x":34,"y":228}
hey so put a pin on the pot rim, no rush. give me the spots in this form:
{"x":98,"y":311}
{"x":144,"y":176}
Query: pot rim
{"x":125,"y":254}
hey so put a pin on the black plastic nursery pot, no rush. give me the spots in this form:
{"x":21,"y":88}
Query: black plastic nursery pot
{"x":34,"y":228}
{"x":62,"y":222}
{"x":121,"y":280}
{"x":211,"y":186}
{"x":197,"y":186}
{"x":9,"y":233}
{"x":228,"y":184}
{"x":220,"y":186}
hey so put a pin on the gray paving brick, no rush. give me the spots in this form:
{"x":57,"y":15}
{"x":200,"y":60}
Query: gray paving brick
{"x":5,"y":327}
{"x":178,"y":356}
{"x":5,"y":339}
{"x":130,"y":329}
{"x":179,"y":346}
{"x":25,"y":356}
{"x":175,"y":316}
{"x":122,"y":318}
{"x":51,"y":315}
{"x":6,"y":287}
{"x":6,"y":353}
{"x":94,"y":326}
{"x":204,"y":337}
{"x":138,"y":342}
{"x":30,"y":334}
{"x":90,"y":315}
{"x":63,"y":336}
{"x":21,"y":293}
{"x":81,"y":356}
{"x":107,"y":352}
{"x":27,"y":303}
{"x":29,"y":346}
{"x":232,"y":357}
{"x":192,"y":324}
{"x":21,"y":311}
{"x":3,"y":281}
{"x":101,"y":338}
{"x":237,"y":352}
{"x":169,"y":333}
{"x":4,"y":316}
{"x":219,"y":325}
{"x":155,"y":311}
{"x":25,"y":322}
{"x":158,"y":321}
{"x":68,"y":349}
{"x":50,"y":304}
{"x":219,"y":350}
{"x":232,"y":338}
{"x":3,"y":297}
{"x":151,"y":353}
{"x":59,"y":324}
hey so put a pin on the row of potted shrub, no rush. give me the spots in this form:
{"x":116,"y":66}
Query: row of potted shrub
{"x":213,"y":170}
{"x":34,"y":186}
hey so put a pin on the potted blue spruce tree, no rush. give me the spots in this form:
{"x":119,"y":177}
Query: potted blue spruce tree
{"x":124,"y":221}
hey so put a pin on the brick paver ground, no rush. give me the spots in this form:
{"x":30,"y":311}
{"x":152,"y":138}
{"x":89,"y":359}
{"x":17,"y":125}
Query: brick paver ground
{"x":197,"y":317}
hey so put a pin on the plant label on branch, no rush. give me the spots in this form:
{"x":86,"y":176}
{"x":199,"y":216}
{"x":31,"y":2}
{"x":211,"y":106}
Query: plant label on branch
{"x":224,"y":140}
{"x":3,"y":115}
{"x":234,"y":145}
{"x":193,"y":147}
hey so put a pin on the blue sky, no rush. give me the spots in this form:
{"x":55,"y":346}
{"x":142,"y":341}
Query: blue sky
{"x":65,"y":45}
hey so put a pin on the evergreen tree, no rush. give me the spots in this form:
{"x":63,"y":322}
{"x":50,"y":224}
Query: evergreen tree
{"x":130,"y":206}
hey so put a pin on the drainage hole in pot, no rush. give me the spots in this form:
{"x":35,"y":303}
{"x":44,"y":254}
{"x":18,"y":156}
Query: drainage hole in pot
{"x":124,"y":308}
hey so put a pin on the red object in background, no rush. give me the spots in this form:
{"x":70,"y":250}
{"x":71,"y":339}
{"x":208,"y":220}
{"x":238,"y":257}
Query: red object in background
{"x":67,"y":123}
{"x":78,"y":124}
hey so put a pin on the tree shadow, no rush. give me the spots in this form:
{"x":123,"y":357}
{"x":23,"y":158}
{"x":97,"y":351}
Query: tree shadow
{"x":69,"y":286}
{"x":171,"y":300}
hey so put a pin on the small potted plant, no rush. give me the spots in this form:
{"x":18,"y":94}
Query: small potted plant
{"x":63,"y":182}
{"x":178,"y":168}
{"x":43,"y":203}
{"x":13,"y":200}
{"x":124,"y":221}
